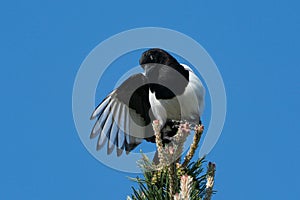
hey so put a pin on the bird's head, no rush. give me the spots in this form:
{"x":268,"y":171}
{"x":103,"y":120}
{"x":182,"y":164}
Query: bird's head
{"x":157,"y":56}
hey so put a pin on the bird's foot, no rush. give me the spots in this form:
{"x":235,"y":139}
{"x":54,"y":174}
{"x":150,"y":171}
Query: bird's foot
{"x":178,"y":123}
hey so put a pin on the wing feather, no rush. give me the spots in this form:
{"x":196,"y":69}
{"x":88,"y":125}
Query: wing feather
{"x":114,"y":131}
{"x":127,"y":105}
{"x":102,"y":117}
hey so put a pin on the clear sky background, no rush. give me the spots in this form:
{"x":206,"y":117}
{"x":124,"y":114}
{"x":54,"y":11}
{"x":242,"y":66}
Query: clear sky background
{"x":255,"y":45}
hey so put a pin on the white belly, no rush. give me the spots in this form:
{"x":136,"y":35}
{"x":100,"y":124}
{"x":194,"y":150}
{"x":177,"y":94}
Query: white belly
{"x":188,"y":106}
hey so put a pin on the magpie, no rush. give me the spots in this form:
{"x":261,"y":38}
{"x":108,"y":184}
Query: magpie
{"x":167,"y":91}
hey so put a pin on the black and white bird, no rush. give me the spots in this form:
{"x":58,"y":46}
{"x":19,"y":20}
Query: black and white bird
{"x":167,"y":91}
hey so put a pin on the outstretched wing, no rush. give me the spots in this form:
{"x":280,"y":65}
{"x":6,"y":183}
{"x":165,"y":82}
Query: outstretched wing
{"x":123,"y":118}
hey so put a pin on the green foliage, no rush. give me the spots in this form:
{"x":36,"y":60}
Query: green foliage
{"x":170,"y":179}
{"x":155,"y":185}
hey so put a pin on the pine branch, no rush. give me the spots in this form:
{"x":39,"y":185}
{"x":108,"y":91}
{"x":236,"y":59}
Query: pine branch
{"x":171,"y":180}
{"x":210,"y":176}
{"x":194,"y":145}
{"x":159,"y":144}
{"x":172,"y":176}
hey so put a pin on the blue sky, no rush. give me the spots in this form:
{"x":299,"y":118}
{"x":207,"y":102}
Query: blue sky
{"x":255,"y":44}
